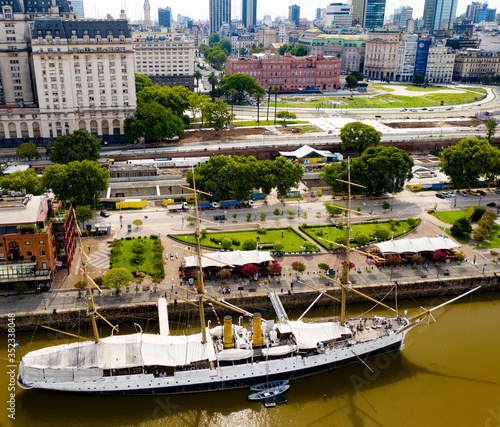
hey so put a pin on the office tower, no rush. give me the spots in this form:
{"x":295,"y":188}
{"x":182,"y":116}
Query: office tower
{"x":358,"y":11}
{"x":249,"y":12}
{"x":165,"y":17}
{"x":402,"y":15}
{"x":439,"y":14}
{"x":338,"y":15}
{"x":374,"y":11}
{"x":294,"y":14}
{"x":220,"y":13}
{"x":318,"y":13}
{"x":147,"y":13}
{"x":78,"y":8}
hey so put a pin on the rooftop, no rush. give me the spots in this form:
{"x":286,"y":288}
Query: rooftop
{"x":22,"y":209}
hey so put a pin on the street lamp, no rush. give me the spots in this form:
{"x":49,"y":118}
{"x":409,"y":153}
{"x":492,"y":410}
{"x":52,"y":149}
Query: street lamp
{"x":393,"y":184}
{"x":298,"y":212}
{"x":95,"y":211}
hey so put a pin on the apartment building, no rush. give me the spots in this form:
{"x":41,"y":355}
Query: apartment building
{"x":471,"y":65}
{"x":407,"y":51}
{"x":381,"y":54}
{"x":166,"y":58}
{"x":440,"y":64}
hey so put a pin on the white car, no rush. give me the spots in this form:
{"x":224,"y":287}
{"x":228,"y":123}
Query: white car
{"x":462,"y":193}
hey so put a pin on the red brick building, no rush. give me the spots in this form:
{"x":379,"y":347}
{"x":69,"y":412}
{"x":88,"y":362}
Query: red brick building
{"x":288,"y":72}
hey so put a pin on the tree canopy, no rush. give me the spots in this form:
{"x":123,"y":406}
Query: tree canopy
{"x":27,"y":150}
{"x":176,"y":98}
{"x":215,"y":56}
{"x":351,"y":82}
{"x":154,"y":122}
{"x":379,"y":170}
{"x":299,"y":50}
{"x":23,"y":180}
{"x":77,"y":182}
{"x":359,"y":136}
{"x":236,"y":177}
{"x":77,"y":146}
{"x":468,"y":160}
{"x":84,"y":213}
{"x":116,"y":278}
{"x":242,"y":83}
{"x":491,"y":126}
{"x":217,"y":114}
{"x":142,"y":81}
{"x":418,"y":79}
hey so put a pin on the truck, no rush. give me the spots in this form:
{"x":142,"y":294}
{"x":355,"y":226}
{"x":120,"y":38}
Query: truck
{"x":206,"y":205}
{"x":174,"y":207}
{"x":226,"y":204}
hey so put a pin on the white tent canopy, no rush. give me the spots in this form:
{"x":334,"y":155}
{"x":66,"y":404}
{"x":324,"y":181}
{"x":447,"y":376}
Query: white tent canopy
{"x":308,"y":335}
{"x":223,"y":259}
{"x":424,"y":244}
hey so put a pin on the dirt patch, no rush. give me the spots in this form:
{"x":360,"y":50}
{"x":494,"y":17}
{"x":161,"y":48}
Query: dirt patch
{"x":211,"y":135}
{"x":471,"y":122}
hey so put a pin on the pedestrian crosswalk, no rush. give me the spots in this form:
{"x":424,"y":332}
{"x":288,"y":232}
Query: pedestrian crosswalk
{"x":100,"y":258}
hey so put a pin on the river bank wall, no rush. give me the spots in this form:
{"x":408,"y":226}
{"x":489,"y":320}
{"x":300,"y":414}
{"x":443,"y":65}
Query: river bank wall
{"x":441,"y":290}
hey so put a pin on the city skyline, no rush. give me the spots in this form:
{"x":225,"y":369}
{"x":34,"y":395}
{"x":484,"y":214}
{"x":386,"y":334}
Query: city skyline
{"x":198,"y":9}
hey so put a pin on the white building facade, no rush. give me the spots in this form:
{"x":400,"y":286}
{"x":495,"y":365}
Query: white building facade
{"x":407,"y":51}
{"x":440,"y":63}
{"x":338,"y":15}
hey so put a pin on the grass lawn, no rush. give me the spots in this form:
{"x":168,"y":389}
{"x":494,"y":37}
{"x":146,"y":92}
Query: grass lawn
{"x":493,"y":239}
{"x":125,"y":257}
{"x":449,"y":216}
{"x":383,"y":87}
{"x":290,"y":238}
{"x":330,"y":232}
{"x":270,"y":122}
{"x":427,"y":89}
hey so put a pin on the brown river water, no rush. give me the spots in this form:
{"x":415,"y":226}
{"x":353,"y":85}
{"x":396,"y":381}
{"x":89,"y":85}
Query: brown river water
{"x":447,"y":375}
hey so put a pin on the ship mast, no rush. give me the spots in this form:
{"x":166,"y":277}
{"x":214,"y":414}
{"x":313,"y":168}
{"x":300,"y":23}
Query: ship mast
{"x":200,"y":289}
{"x":345,"y":271}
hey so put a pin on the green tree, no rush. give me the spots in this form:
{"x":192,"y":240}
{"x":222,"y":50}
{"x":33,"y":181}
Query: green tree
{"x":176,"y":98}
{"x":357,"y":75}
{"x":385,"y":204}
{"x":226,"y":243}
{"x":467,"y":160}
{"x":286,"y":115}
{"x":333,"y":208}
{"x":137,"y":222}
{"x":154,"y":122}
{"x":77,"y":182}
{"x":298,"y":266}
{"x":323,"y":267}
{"x":275,"y":90}
{"x":381,"y":233}
{"x":232,"y":94}
{"x":351,"y":82}
{"x":77,"y":146}
{"x":242,"y":83}
{"x":27,"y":150}
{"x":359,"y":136}
{"x":249,"y":245}
{"x":278,"y":246}
{"x":198,"y":76}
{"x":259,"y":95}
{"x":486,"y":80}
{"x":20,"y":288}
{"x":84,"y":213}
{"x":362,"y":238}
{"x":217,"y":114}
{"x":299,"y":50}
{"x":283,"y":49}
{"x":23,"y":180}
{"x":461,"y":228}
{"x":288,"y":175}
{"x":214,"y":38}
{"x":116,"y":278}
{"x":418,"y":79}
{"x":491,"y":125}
{"x":216,"y":57}
{"x":80,"y":285}
{"x":213,"y":81}
{"x":412,"y":222}
{"x":142,"y":81}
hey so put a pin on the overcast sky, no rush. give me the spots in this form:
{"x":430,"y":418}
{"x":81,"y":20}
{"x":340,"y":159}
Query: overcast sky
{"x":198,"y":9}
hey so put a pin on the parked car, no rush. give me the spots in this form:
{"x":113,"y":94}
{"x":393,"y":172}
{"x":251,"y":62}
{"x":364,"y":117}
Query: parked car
{"x":448,"y":193}
{"x":474,"y":193}
{"x":104,"y":214}
{"x":482,"y":192}
{"x":463,"y":193}
{"x":440,"y":195}
{"x":172,"y":256}
{"x":403,"y":110}
{"x":497,"y":191}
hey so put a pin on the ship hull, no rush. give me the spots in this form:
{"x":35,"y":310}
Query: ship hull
{"x":230,"y":377}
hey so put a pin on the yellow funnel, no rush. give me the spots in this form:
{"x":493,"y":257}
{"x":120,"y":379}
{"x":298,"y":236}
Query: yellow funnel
{"x":257,"y":330}
{"x":227,"y":340}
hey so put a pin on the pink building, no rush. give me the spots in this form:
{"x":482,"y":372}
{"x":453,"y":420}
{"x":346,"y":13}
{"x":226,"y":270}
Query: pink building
{"x":288,"y":72}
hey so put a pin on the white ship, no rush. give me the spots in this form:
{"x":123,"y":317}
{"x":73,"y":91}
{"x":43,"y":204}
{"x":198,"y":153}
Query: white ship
{"x":225,"y":357}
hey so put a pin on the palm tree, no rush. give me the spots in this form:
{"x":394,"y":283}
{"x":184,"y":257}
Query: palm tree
{"x":276,"y":90}
{"x":269,"y":91}
{"x":213,"y":80}
{"x":232,"y":93}
{"x":258,"y":97}
{"x":348,"y":70}
{"x":198,"y":76}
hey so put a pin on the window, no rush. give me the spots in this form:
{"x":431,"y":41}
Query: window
{"x":27,"y":243}
{"x":41,"y":242}
{"x":42,"y":253}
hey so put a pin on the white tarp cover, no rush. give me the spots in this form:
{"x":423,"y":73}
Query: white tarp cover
{"x":304,"y":151}
{"x":229,"y":258}
{"x":118,"y":352}
{"x":308,"y":335}
{"x":424,"y":244}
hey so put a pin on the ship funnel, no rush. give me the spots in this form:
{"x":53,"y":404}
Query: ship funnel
{"x":257,"y":329}
{"x":228,"y":332}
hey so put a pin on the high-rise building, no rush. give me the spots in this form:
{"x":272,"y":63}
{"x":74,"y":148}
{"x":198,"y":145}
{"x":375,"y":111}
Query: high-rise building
{"x":439,"y":14}
{"x":402,"y":15}
{"x":147,"y":13}
{"x":249,"y":12}
{"x":338,"y":15}
{"x":479,"y":12}
{"x":374,"y":12}
{"x":165,"y":17}
{"x":358,"y":11}
{"x":294,"y":14}
{"x":220,"y":13}
{"x":78,"y":8}
{"x":318,"y":13}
